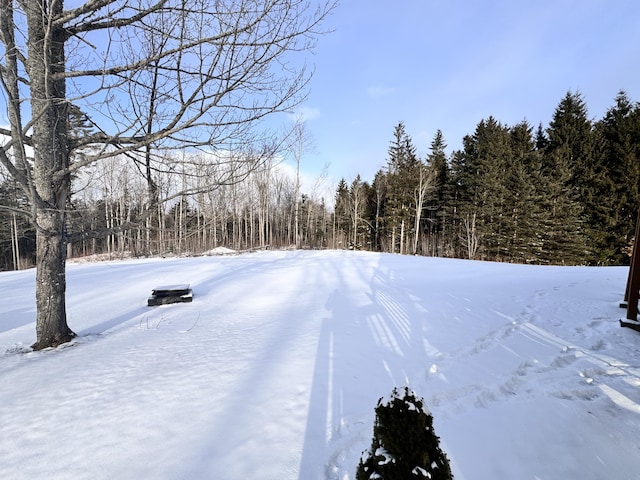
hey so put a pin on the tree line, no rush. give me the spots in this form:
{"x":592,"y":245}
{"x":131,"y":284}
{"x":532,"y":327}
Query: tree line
{"x":565,"y":194}
{"x":108,"y":213}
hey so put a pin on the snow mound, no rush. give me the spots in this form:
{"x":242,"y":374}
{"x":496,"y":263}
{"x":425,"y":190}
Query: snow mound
{"x":219,"y":251}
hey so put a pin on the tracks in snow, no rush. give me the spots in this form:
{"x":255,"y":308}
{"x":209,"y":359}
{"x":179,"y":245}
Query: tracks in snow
{"x":540,"y":363}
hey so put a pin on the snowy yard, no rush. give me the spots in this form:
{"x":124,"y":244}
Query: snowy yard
{"x":275,"y":368}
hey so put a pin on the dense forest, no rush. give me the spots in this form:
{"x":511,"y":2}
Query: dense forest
{"x":564,"y":194}
{"x":567,"y":194}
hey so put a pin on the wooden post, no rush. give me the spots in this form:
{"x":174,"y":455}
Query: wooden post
{"x":633,"y":283}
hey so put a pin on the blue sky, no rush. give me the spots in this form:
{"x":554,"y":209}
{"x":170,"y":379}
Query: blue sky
{"x":447,"y":64}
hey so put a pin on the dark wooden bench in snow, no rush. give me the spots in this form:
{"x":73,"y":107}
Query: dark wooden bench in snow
{"x":170,"y":294}
{"x":634,"y":324}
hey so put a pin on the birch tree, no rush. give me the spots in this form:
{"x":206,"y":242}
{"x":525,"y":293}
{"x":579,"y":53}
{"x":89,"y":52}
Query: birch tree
{"x":215,"y":71}
{"x":299,"y":143}
{"x":426,"y":183}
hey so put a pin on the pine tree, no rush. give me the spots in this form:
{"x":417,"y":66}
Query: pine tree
{"x":525,"y":184}
{"x":437,"y":208}
{"x":341,"y":215}
{"x":569,"y":134}
{"x":568,"y":166}
{"x":457,"y":186}
{"x":404,"y":444}
{"x":613,"y":216}
{"x":402,"y":180}
{"x":481,"y":187}
{"x":541,"y":139}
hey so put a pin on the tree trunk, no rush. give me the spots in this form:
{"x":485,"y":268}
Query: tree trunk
{"x":51,"y":158}
{"x":51,"y":325}
{"x":15,"y":244}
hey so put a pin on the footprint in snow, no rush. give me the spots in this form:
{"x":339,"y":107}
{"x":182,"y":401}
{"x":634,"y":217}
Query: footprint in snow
{"x":599,"y":346}
{"x":588,"y":394}
{"x":564,"y":360}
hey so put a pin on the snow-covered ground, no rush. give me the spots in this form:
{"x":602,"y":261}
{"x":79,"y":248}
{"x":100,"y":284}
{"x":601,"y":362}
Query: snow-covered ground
{"x":275,"y":368}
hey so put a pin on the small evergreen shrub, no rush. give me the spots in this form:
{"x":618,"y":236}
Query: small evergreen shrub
{"x":404,"y":445}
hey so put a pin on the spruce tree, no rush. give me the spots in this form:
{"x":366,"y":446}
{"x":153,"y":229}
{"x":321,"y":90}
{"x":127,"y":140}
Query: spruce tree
{"x":341,"y":215}
{"x":457,"y":186}
{"x":570,"y":134}
{"x":563,"y":239}
{"x":438,"y":213}
{"x":541,"y":139}
{"x":569,"y":166}
{"x":404,"y":444}
{"x":481,"y":186}
{"x":525,"y":184}
{"x":618,"y":187}
{"x":402,"y":180}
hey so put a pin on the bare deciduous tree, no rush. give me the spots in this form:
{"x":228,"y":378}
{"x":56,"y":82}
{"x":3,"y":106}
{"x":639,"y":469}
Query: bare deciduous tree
{"x":148,"y":75}
{"x":426,"y":183}
{"x":299,"y":143}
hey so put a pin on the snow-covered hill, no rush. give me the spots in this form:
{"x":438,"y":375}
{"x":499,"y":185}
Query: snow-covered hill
{"x":274,"y":370}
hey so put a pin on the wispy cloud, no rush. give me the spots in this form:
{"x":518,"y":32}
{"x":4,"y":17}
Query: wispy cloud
{"x":380,"y":91}
{"x":305,"y":114}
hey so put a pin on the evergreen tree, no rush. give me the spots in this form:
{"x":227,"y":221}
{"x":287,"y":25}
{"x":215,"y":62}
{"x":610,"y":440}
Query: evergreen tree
{"x":437,"y":161}
{"x":569,"y":135}
{"x":402,"y":153}
{"x":404,"y":444}
{"x":617,"y":191}
{"x":482,"y":190}
{"x":541,"y":140}
{"x":568,"y":165}
{"x":457,"y":186}
{"x":437,"y":207}
{"x":341,"y":215}
{"x":402,"y":180}
{"x":525,"y":184}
